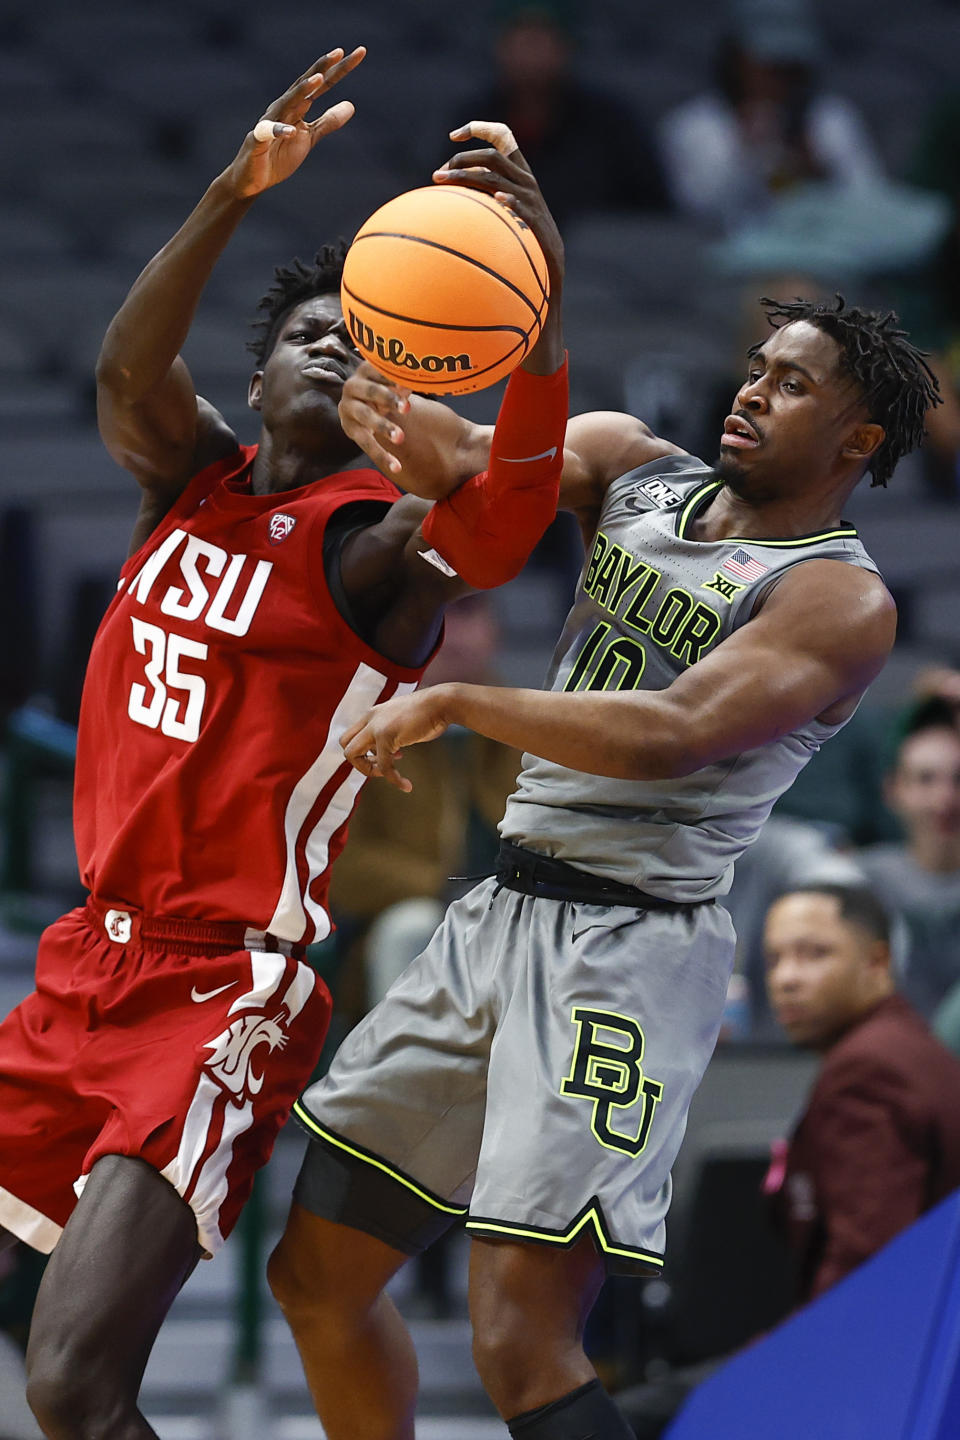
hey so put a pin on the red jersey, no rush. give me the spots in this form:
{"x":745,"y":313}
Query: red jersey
{"x":210,"y":782}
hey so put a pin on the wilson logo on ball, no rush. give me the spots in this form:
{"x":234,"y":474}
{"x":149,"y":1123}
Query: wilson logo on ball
{"x":444,"y":290}
{"x":394,"y":352}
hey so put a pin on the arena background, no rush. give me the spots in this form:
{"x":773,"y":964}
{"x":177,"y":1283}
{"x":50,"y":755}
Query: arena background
{"x":113,"y":117}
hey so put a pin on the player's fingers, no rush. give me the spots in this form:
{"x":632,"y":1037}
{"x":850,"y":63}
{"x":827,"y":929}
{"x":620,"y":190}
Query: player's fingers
{"x":338,"y":69}
{"x":318,"y":67}
{"x":294,"y":103}
{"x":364,"y":418}
{"x":363,"y":436}
{"x":384,"y":764}
{"x":333,"y":119}
{"x":370,"y":385}
{"x":476,"y":176}
{"x":356,"y":738}
{"x":494,"y":132}
{"x":266,"y":131}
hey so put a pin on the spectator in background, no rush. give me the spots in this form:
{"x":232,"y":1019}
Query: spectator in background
{"x":786,"y":853}
{"x":586,"y":148}
{"x":920,"y":876}
{"x":766,"y":125}
{"x":879,"y":1141}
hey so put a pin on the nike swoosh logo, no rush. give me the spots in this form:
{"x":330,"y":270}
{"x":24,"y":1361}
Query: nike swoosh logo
{"x":199,"y":997}
{"x":577,"y":933}
{"x":526,"y":459}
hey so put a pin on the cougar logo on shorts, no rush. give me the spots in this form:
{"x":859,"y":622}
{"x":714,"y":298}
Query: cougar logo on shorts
{"x":118,"y":926}
{"x":608,"y":1072}
{"x":280,"y":526}
{"x":232,"y":1059}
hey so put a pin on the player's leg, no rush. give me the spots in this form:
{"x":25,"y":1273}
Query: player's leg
{"x":397,"y":1123}
{"x":357,"y":1354}
{"x":125,"y":1252}
{"x":528,"y":1306}
{"x":6,"y":1239}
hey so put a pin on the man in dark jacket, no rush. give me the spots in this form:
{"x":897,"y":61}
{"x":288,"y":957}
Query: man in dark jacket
{"x":879,"y":1141}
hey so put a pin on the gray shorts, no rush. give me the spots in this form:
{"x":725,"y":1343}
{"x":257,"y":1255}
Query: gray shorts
{"x":531,"y":1069}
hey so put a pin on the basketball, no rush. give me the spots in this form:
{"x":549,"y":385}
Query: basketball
{"x":444,"y":290}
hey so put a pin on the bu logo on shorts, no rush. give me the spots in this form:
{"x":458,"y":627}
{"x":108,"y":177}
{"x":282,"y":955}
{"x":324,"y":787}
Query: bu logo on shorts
{"x":609,"y":1073}
{"x":118,"y":926}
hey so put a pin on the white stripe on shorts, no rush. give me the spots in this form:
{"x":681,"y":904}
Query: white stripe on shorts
{"x":27,"y":1223}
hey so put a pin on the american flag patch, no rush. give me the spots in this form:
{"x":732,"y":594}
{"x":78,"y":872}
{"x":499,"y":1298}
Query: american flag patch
{"x":744,"y":567}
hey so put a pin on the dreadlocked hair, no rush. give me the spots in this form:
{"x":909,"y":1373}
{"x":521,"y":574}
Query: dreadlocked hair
{"x":292,"y":284}
{"x":897,"y":384}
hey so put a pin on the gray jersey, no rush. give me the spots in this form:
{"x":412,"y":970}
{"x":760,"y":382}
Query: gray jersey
{"x":650,"y":603}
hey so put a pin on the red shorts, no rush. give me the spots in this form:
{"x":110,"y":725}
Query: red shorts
{"x":168,"y":1049}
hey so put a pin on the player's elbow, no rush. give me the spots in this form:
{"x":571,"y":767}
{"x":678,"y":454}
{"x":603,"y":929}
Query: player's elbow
{"x":669,"y":752}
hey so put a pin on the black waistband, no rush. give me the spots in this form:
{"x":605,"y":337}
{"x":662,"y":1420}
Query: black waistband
{"x":532,"y":874}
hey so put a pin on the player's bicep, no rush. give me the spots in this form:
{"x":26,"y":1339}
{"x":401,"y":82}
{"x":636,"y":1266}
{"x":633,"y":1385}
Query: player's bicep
{"x":814,"y":647}
{"x":154,"y":436}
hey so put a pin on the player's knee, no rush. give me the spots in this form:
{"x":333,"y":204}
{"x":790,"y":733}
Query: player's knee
{"x":506,"y":1349}
{"x":69,"y":1400}
{"x":287,"y":1282}
{"x":310,"y":1288}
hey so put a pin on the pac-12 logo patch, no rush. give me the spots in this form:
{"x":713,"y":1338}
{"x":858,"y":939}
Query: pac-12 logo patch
{"x":280,"y":526}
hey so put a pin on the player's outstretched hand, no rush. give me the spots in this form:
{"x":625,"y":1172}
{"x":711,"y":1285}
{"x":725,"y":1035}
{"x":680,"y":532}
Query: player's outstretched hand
{"x":371,"y":409}
{"x":502,"y":172}
{"x":376,"y":742}
{"x":283,"y":137}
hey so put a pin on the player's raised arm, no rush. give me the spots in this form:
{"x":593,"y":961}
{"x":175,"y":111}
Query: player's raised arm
{"x":149,"y":417}
{"x":788,"y":666}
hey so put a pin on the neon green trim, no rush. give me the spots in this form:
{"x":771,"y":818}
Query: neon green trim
{"x":787,"y":544}
{"x":692,"y":504}
{"x":307,"y":1119}
{"x":495,"y":1227}
{"x":701,"y":494}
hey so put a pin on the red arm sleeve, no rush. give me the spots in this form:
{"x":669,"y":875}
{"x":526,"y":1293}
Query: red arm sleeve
{"x":486,"y":528}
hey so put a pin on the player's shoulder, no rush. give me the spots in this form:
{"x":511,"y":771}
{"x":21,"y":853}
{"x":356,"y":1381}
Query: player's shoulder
{"x":851,"y":592}
{"x":610,"y":442}
{"x":891,"y":1051}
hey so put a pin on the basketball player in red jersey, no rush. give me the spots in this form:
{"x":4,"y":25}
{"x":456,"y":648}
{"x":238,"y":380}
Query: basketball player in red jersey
{"x":272,"y":594}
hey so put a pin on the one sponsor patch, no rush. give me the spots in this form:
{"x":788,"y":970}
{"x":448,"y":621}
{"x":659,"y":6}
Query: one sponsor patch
{"x":280,"y":526}
{"x":722,"y":585}
{"x":660,"y":494}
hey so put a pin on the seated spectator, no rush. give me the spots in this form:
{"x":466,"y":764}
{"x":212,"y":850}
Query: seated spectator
{"x":585,"y":147}
{"x":919,"y":877}
{"x":879,"y":1141}
{"x":786,"y":853}
{"x":766,"y":125}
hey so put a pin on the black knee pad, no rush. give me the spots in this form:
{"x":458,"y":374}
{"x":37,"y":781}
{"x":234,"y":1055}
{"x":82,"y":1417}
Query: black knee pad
{"x":587,"y":1413}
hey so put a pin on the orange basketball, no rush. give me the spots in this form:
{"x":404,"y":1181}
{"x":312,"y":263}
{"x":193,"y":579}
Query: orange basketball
{"x":444,"y":290}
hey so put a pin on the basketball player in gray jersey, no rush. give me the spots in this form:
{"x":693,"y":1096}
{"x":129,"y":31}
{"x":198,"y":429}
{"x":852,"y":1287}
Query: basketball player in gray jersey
{"x":533,"y":1068}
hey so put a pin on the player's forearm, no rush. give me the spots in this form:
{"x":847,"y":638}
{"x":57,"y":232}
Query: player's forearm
{"x":626,"y":736}
{"x":148,"y":331}
{"x":547,"y":355}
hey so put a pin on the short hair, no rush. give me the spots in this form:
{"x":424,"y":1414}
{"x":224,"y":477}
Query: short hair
{"x":897,"y":384}
{"x":858,"y":906}
{"x":292,"y":284}
{"x":930,"y":712}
